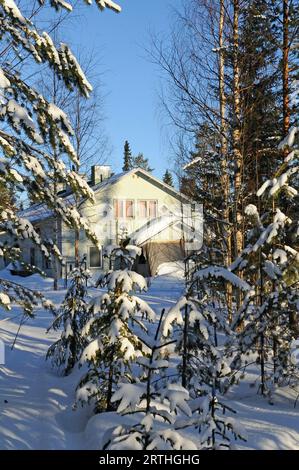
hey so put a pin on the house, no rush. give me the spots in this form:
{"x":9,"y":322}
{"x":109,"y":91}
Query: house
{"x":134,"y":205}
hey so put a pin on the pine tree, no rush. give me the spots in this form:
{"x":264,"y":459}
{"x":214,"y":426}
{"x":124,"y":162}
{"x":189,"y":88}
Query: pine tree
{"x":165,"y":406}
{"x":167,"y":178}
{"x":154,"y":428}
{"x":73,"y":315}
{"x":30,"y":122}
{"x":193,"y":326}
{"x":260,"y":107}
{"x":216,"y":429}
{"x":114,"y":330}
{"x":202,"y":182}
{"x":269,"y":313}
{"x":196,"y":322}
{"x":127,"y":157}
{"x":140,"y":161}
{"x":155,"y":403}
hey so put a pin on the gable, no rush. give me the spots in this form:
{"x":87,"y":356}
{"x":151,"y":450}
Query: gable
{"x":138,"y":184}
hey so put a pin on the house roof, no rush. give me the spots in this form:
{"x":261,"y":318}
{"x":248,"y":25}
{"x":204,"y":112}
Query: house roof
{"x":40,"y":211}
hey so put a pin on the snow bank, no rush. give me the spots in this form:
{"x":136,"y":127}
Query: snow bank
{"x":35,"y":281}
{"x":174,"y":269}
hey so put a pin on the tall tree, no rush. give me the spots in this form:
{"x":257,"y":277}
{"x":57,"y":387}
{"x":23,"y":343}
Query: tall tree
{"x":270,"y":309}
{"x":140,"y":161}
{"x":167,"y":178}
{"x":127,"y":166}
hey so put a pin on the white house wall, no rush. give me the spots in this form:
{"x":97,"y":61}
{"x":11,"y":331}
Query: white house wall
{"x":101,"y":214}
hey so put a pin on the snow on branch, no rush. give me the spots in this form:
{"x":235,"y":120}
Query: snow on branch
{"x":222,"y":273}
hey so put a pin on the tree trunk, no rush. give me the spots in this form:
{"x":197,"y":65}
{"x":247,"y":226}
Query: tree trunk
{"x":77,"y":254}
{"x":55,"y":231}
{"x":237,"y":154}
{"x":54,"y":259}
{"x":185,"y":348}
{"x":55,"y":263}
{"x":261,"y":351}
{"x":224,"y":156}
{"x":238,"y":160}
{"x":285,"y":68}
{"x":110,"y":385}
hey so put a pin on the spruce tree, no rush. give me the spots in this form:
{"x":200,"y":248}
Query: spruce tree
{"x":154,"y":427}
{"x":72,"y":316}
{"x":269,"y":313}
{"x":259,"y":80}
{"x":114,"y":331}
{"x":140,"y":161}
{"x":127,"y":166}
{"x":155,"y":401}
{"x":193,"y":328}
{"x":167,"y":178}
{"x":202,"y":182}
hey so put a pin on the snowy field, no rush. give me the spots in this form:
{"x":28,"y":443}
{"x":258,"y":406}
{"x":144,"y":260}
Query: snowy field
{"x":36,"y":404}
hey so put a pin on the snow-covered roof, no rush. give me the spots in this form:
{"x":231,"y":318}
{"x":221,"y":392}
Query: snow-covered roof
{"x":38,"y":212}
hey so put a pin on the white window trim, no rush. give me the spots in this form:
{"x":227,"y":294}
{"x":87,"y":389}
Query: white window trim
{"x":123,"y":201}
{"x":147,"y":207}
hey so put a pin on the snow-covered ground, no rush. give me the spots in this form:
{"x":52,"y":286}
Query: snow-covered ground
{"x":36,"y":404}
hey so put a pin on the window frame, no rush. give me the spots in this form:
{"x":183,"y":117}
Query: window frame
{"x":122,"y":208}
{"x":146,"y":208}
{"x":148,"y":201}
{"x":127,"y":208}
{"x":156,"y":208}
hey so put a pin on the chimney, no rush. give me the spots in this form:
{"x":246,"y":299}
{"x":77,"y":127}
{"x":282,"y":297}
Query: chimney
{"x":99,"y":173}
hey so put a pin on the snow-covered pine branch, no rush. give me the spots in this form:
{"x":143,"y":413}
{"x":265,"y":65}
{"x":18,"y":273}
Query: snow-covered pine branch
{"x":30,"y":122}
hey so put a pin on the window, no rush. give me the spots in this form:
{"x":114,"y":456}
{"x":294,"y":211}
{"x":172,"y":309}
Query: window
{"x":152,"y":213}
{"x":123,"y":208}
{"x":147,"y":209}
{"x":129,"y":209}
{"x":142,"y":209}
{"x":118,"y":208}
{"x":95,"y":257}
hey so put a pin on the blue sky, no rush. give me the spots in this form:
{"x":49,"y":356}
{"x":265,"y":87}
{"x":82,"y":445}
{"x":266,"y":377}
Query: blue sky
{"x":131,"y":81}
